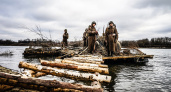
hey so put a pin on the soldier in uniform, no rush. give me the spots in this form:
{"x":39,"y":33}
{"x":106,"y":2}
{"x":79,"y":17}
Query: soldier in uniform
{"x":92,"y":37}
{"x":65,"y":37}
{"x":111,"y":37}
{"x":85,"y":38}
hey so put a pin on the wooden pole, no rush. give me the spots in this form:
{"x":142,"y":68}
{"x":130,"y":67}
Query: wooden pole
{"x":65,"y":73}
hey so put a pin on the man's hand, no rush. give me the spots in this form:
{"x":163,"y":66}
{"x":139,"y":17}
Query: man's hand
{"x":96,"y":32}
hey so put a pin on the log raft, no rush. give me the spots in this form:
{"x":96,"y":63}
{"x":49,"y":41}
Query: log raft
{"x":45,"y":85}
{"x":126,"y":57}
{"x":65,"y":73}
{"x":92,"y":68}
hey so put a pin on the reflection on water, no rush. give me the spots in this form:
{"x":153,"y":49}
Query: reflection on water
{"x":152,"y":76}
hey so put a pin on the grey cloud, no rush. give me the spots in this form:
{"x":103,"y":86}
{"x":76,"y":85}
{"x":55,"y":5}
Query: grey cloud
{"x":164,"y":30}
{"x":153,"y":3}
{"x":76,"y":16}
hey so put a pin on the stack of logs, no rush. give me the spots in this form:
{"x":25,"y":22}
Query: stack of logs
{"x":90,"y":67}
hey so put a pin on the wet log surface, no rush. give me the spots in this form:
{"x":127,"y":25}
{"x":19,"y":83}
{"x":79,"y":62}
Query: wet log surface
{"x":65,"y":73}
{"x":91,"y":68}
{"x":9,"y":80}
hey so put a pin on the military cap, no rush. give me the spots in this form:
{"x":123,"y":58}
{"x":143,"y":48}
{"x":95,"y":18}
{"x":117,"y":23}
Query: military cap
{"x":86,"y":29}
{"x":93,"y":22}
{"x":111,"y":22}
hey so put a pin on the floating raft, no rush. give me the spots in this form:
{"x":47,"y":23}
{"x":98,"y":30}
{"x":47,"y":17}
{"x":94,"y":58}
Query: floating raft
{"x":80,"y":67}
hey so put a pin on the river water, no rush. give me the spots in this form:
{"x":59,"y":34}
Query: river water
{"x":154,"y":76}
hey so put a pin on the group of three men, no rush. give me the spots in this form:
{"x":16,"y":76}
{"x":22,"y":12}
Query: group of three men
{"x":111,"y":37}
{"x":89,"y":37}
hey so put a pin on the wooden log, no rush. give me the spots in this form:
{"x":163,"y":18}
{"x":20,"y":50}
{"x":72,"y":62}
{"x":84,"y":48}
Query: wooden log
{"x":75,"y":67}
{"x":84,"y":64}
{"x":31,"y":73}
{"x":84,"y":60}
{"x":65,"y":73}
{"x":44,"y":85}
{"x":5,"y":87}
{"x":39,"y":74}
{"x":97,"y":59}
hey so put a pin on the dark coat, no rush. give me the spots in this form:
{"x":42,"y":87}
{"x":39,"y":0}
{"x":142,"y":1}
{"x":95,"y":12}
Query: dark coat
{"x":111,"y":35}
{"x":91,"y":38}
{"x":85,"y":38}
{"x":65,"y":37}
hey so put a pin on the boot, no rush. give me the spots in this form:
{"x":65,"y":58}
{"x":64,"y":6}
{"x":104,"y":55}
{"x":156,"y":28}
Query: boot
{"x":112,"y":53}
{"x":108,"y":53}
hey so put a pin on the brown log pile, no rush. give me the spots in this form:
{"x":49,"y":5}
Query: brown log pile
{"x":11,"y":80}
{"x":65,"y":73}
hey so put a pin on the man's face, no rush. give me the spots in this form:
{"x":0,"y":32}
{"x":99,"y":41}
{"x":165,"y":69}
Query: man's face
{"x":111,"y":24}
{"x":65,"y":31}
{"x":94,"y":25}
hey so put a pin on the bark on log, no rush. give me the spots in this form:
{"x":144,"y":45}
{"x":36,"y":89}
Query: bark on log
{"x":44,"y":85}
{"x":65,"y":73}
{"x":75,"y":67}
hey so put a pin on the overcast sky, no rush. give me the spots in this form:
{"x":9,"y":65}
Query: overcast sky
{"x":134,"y":19}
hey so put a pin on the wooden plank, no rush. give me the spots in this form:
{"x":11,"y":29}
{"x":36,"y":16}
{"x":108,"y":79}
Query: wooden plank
{"x":65,"y":73}
{"x":45,"y":85}
{"x":125,"y":57}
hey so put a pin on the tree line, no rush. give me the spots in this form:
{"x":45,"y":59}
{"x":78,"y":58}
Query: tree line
{"x":27,"y":42}
{"x":161,"y":42}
